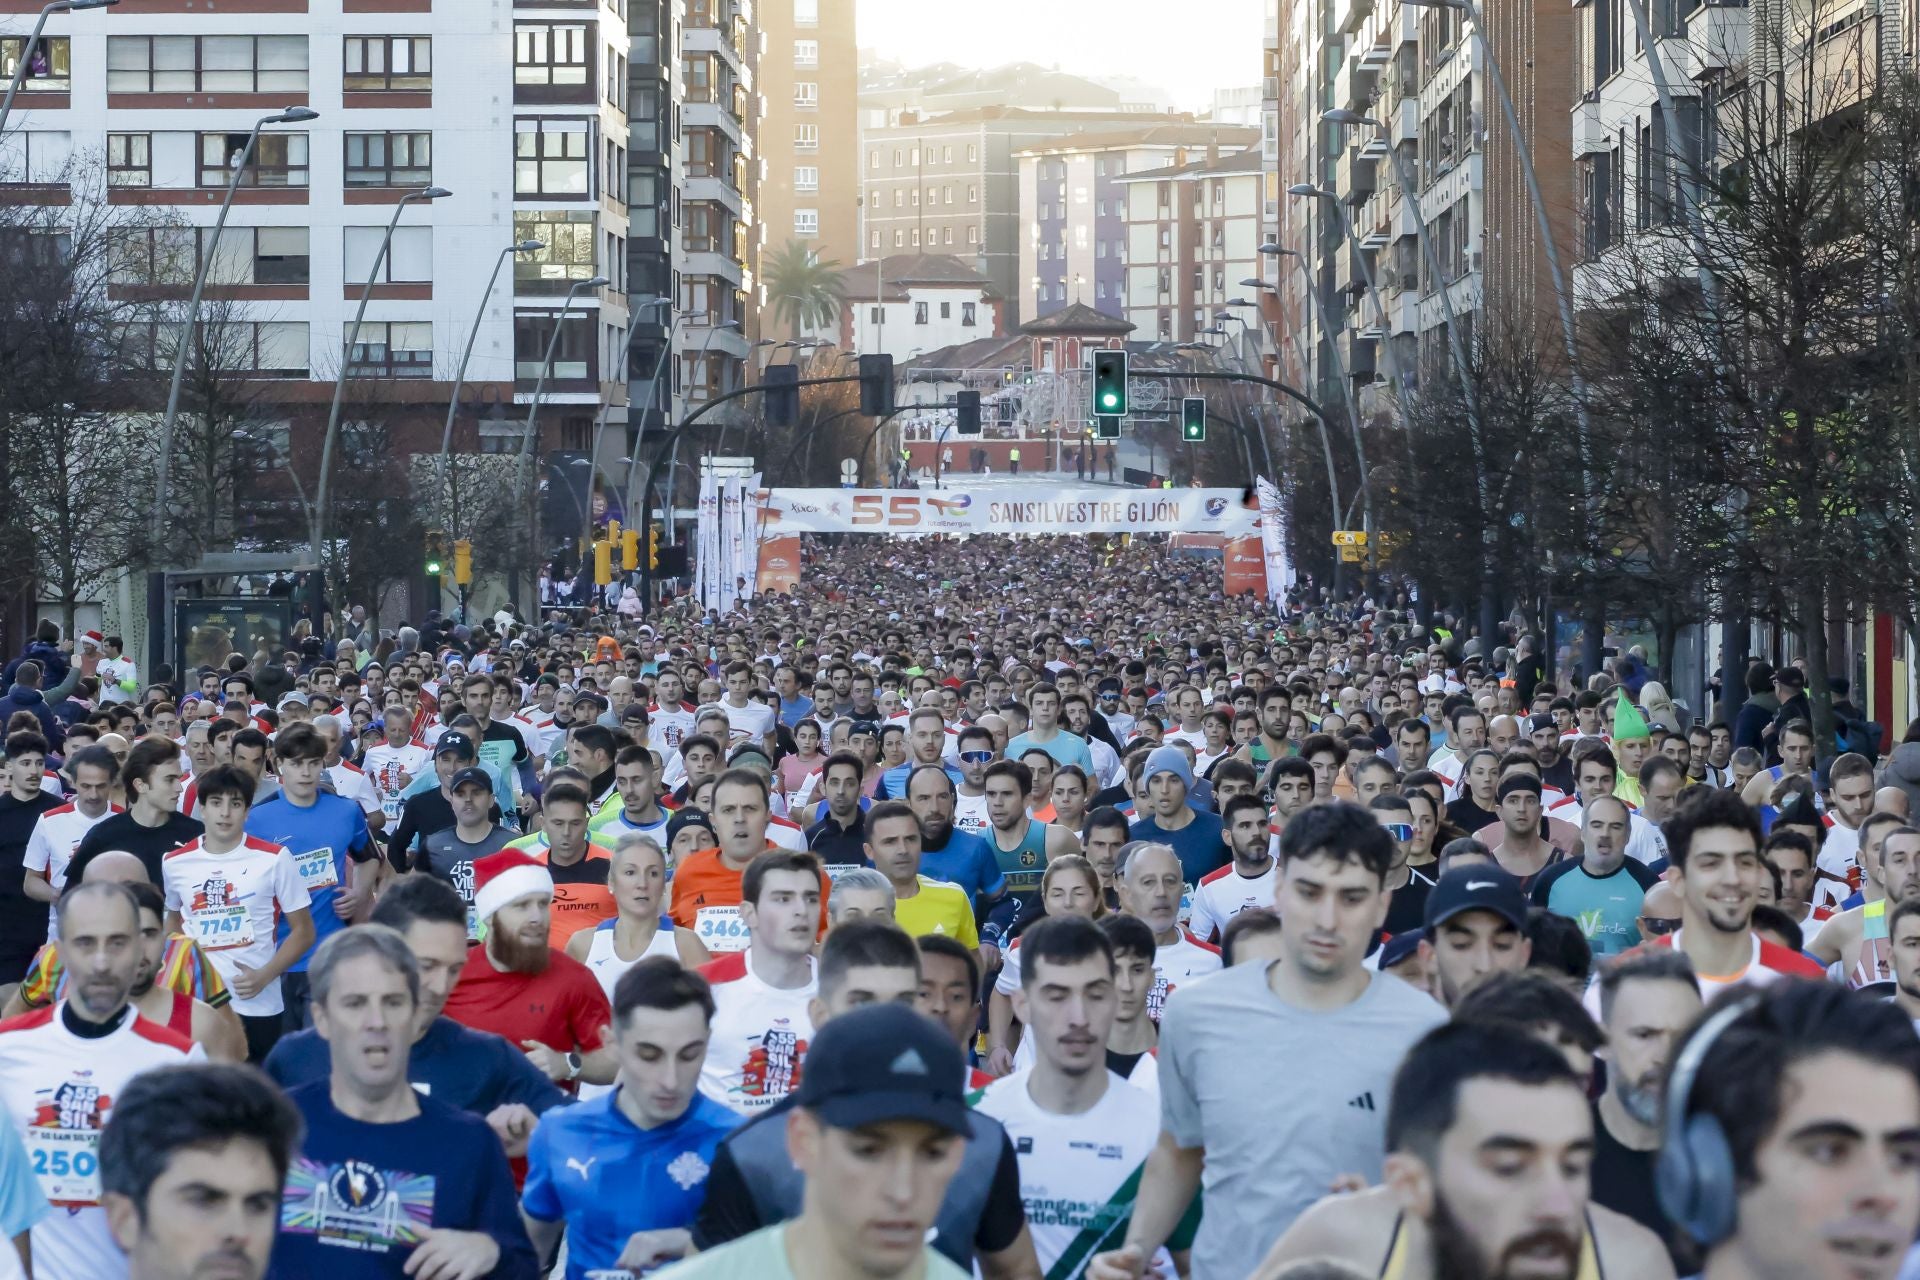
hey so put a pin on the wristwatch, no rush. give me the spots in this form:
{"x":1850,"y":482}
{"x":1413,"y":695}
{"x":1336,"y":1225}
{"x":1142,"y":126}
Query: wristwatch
{"x":574,"y":1063}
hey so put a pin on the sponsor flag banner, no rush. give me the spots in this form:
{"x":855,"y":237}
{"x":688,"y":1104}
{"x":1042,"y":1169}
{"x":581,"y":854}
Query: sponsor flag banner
{"x":1246,"y":567}
{"x":780,"y":563}
{"x":707,"y":544}
{"x":1273,"y":539}
{"x":732,"y":557}
{"x":1040,"y":509}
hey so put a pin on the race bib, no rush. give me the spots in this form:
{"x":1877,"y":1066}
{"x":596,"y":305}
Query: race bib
{"x":316,"y":869}
{"x":391,"y":806}
{"x":721,"y":929}
{"x":66,"y":1162}
{"x":221,"y":928}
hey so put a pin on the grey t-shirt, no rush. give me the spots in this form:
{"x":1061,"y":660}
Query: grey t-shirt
{"x":1283,"y":1099}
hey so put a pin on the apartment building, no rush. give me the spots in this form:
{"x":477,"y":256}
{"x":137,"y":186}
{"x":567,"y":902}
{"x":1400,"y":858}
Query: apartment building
{"x":519,"y":110}
{"x":951,"y":183}
{"x":1192,"y":234}
{"x":909,"y":305}
{"x":720,"y":228}
{"x":1074,"y":209}
{"x":809,"y":141}
{"x":656,"y":182}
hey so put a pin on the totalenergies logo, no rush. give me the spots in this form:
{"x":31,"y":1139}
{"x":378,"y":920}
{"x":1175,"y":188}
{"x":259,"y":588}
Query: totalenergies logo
{"x":949,"y":506}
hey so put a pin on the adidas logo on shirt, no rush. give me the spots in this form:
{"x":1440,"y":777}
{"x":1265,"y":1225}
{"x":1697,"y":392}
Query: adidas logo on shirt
{"x":1363,"y":1103}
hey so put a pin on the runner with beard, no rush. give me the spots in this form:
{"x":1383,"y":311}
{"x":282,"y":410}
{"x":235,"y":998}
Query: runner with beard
{"x":1854,"y":944}
{"x":1489,"y":1139}
{"x":1647,"y":1002}
{"x":976,"y":752}
{"x":56,"y":836}
{"x":1245,"y":884}
{"x":62,"y":1069}
{"x":518,"y":987}
{"x":947,"y":853}
{"x":1021,"y":847}
{"x":670,"y":715}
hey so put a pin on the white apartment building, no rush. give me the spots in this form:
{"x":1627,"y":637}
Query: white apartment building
{"x":1193,"y":233}
{"x":519,"y":109}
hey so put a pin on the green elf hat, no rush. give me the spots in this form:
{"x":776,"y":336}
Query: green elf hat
{"x":1628,"y":723}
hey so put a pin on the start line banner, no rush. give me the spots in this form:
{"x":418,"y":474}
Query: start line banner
{"x":1036,"y":509}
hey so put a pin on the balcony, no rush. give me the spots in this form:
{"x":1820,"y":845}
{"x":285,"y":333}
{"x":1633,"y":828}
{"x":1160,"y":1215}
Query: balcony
{"x":1353,"y":176}
{"x":1348,"y":15}
{"x":1353,"y":85}
{"x":714,"y":40}
{"x":1716,"y":38}
{"x":1845,"y":66}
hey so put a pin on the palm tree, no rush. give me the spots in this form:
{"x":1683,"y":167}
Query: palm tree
{"x":807,"y":292}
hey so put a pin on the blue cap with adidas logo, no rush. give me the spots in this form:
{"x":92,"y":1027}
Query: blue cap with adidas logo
{"x":885,"y":1062}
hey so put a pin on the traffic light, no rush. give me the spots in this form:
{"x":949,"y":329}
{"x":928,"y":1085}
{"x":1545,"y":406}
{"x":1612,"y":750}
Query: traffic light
{"x":1107,"y":426}
{"x":630,"y":550}
{"x":602,"y":563}
{"x":653,"y":549}
{"x":967,"y":406}
{"x":782,"y":383}
{"x":1110,"y":383}
{"x":1193,"y":418}
{"x":436,"y":553}
{"x":876,"y":386}
{"x":463,"y":563}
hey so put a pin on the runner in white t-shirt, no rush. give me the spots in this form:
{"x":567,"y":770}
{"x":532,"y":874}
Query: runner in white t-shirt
{"x":392,"y":764}
{"x":1082,"y":1134}
{"x":1243,"y":884}
{"x":227,"y":890}
{"x":62,"y":1067}
{"x":1150,"y":888}
{"x":760,"y":1023}
{"x":58,"y":832}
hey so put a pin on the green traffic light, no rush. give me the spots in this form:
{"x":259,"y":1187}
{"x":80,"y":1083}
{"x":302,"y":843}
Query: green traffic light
{"x":433,"y":566}
{"x":1110,"y":399}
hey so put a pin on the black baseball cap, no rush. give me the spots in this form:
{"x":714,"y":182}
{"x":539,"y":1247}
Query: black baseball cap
{"x":471,"y":774}
{"x":1480,"y":887}
{"x":885,"y":1062}
{"x":455,"y":744}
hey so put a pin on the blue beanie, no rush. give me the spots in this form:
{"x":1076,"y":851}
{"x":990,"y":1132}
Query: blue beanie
{"x":1168,"y":760}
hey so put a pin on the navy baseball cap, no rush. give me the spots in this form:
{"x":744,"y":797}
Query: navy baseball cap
{"x":455,"y":744}
{"x":885,"y":1062}
{"x":1479,"y":887}
{"x":471,"y":774}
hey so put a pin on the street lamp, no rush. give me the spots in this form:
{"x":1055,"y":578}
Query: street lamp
{"x":673,"y":458}
{"x":26,"y":53}
{"x":460,"y":375}
{"x":1339,"y":364}
{"x":600,"y":430}
{"x":546,"y":365}
{"x":340,"y":390}
{"x":184,"y":342}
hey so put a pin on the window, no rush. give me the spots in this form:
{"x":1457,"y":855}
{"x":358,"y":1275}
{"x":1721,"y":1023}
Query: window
{"x":946,"y":311}
{"x":49,"y":71}
{"x":35,"y":156}
{"x":913,"y":158}
{"x":279,"y":159}
{"x":129,"y":159}
{"x":616,"y":80}
{"x":247,"y":255}
{"x":973,"y":235}
{"x":896,"y":157}
{"x":946,"y":155}
{"x":873,"y":241}
{"x":806,"y":222}
{"x":873,"y":156}
{"x":899,"y":239}
{"x":569,"y":256}
{"x":946,"y":195}
{"x":806,"y":137}
{"x":916,"y":237}
{"x":391,"y":349}
{"x":946,"y":235}
{"x":806,"y":94}
{"x":550,"y":53}
{"x":806,"y":177}
{"x":206,"y":64}
{"x":899,"y":197}
{"x":806,"y":53}
{"x":573,"y":357}
{"x":966,"y":315}
{"x":409,"y":258}
{"x":389,"y":63}
{"x":919,"y":313}
{"x":873,"y":315}
{"x":806,"y":13}
{"x":973,"y":195}
{"x":389,"y":159}
{"x":551,"y":157}
{"x":973,"y":153}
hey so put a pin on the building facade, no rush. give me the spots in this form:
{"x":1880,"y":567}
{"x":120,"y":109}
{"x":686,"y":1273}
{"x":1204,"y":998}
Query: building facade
{"x":909,"y":305}
{"x":720,"y":230}
{"x":1192,"y":234}
{"x":1073,"y":206}
{"x":809,"y":140}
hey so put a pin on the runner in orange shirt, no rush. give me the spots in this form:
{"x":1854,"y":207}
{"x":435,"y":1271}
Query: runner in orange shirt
{"x":706,"y":884}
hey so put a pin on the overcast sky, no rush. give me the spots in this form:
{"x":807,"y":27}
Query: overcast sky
{"x":1187,"y":49}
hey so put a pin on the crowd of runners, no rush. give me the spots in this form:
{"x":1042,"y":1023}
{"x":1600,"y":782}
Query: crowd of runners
{"x":1020,"y":908}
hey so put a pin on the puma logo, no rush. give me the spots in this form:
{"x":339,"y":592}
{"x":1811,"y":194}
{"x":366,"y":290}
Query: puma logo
{"x":581,"y":1168}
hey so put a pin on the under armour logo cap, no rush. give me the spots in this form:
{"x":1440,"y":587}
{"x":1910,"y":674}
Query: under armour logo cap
{"x":884,"y":1062}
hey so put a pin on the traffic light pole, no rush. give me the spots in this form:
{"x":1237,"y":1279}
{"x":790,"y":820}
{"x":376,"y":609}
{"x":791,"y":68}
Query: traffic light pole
{"x":671,"y":439}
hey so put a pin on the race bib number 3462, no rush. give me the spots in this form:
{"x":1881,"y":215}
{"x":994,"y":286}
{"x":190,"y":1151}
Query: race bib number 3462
{"x":721,"y":929}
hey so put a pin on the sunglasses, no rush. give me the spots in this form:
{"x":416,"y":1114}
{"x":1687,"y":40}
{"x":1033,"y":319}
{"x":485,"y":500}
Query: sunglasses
{"x":1657,"y":925}
{"x":1401,"y":831}
{"x":975,"y":757}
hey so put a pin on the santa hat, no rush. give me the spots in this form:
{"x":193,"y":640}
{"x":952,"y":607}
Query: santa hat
{"x":504,"y":877}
